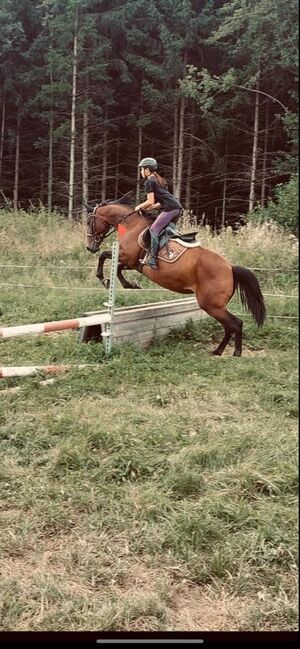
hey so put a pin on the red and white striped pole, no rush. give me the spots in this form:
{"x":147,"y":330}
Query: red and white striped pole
{"x":31,"y":370}
{"x":56,"y":325}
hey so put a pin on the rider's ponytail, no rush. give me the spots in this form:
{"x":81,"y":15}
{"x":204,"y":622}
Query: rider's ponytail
{"x":161,"y":181}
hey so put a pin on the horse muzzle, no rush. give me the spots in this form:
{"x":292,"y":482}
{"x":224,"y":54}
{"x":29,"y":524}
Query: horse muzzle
{"x":94,"y":247}
{"x":93,"y":243}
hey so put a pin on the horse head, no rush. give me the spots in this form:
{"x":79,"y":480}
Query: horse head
{"x":105,"y":218}
{"x":97,"y":227}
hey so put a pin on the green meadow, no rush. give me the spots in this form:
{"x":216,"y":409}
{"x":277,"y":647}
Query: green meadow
{"x":158,"y":489}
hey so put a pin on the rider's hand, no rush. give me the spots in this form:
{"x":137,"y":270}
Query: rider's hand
{"x":137,"y":208}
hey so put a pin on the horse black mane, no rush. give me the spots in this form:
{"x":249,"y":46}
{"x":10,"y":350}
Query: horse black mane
{"x":126,"y":199}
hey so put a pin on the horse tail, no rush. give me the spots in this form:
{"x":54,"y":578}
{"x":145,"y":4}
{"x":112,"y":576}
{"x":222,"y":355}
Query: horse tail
{"x":250,"y":293}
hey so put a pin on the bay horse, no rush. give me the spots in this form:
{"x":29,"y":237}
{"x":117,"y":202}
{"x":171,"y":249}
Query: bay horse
{"x":203,"y":272}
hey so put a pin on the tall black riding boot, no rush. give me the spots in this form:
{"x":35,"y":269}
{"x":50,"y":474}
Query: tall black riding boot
{"x":151,"y":261}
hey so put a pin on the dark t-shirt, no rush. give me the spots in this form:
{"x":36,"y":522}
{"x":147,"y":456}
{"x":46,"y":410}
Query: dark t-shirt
{"x":162,"y":195}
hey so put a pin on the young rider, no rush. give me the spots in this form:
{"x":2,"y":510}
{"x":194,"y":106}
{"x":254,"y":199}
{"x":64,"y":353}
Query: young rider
{"x":158,"y":196}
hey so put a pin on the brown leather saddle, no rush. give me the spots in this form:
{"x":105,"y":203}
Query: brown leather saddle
{"x":173,"y":243}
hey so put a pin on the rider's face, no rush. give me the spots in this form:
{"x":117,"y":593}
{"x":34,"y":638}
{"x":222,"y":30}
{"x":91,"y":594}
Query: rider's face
{"x":145,"y":172}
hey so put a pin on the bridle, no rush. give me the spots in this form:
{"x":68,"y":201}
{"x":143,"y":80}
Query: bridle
{"x":91,"y":222}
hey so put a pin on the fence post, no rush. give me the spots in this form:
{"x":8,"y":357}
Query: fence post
{"x":108,"y":327}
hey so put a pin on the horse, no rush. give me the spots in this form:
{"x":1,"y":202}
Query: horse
{"x":199,"y":270}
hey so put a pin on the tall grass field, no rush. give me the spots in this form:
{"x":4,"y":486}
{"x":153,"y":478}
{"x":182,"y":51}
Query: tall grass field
{"x":156,"y":491}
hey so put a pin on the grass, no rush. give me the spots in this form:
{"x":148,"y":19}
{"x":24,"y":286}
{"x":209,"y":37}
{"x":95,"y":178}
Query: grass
{"x":158,"y":492}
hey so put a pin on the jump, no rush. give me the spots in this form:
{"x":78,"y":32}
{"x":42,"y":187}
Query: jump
{"x":190,"y":269}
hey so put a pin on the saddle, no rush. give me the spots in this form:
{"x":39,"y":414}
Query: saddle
{"x":172,"y":243}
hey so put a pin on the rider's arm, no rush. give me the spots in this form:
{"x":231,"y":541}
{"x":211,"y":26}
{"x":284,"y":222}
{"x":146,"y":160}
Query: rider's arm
{"x":156,"y":206}
{"x":147,"y":204}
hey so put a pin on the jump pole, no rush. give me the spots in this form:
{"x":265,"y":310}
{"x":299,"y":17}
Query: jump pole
{"x":32,"y":370}
{"x":56,"y":325}
{"x":105,"y":319}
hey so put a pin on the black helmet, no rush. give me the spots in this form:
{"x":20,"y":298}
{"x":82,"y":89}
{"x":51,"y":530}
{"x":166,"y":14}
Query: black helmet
{"x":151,"y":163}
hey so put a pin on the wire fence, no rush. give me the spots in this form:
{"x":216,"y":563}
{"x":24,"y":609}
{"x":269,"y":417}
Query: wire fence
{"x":143,"y":288}
{"x":88,"y":288}
{"x":80,"y":268}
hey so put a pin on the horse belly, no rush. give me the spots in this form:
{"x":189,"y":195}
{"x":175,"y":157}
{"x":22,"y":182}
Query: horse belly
{"x":171,"y":277}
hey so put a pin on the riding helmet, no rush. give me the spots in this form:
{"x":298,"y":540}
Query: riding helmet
{"x":151,"y":163}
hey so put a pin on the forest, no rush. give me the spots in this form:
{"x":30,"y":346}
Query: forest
{"x":89,"y":87}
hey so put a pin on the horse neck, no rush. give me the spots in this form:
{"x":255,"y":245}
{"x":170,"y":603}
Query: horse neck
{"x":117,"y":214}
{"x":137,"y":222}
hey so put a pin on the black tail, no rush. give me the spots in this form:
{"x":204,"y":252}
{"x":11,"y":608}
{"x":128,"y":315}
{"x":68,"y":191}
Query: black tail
{"x":249,"y":290}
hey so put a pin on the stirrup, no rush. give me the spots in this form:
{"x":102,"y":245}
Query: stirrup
{"x":153,"y":265}
{"x":145,"y":262}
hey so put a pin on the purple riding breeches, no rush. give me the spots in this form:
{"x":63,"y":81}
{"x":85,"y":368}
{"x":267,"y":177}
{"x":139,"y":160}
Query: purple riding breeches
{"x":163,"y":219}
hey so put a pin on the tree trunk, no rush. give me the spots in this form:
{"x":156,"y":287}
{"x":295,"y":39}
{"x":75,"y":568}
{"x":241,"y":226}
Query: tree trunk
{"x":85,"y":164}
{"x":198,"y":205}
{"x":17,"y":162}
{"x":190,"y":162}
{"x":265,"y":155}
{"x":73,"y":120}
{"x":181,"y":138}
{"x":180,"y":148}
{"x":117,"y":168}
{"x":175,"y":145}
{"x":51,"y":127}
{"x":215,"y":220}
{"x":254,"y":151}
{"x":140,"y":144}
{"x":42,"y":184}
{"x":2,"y":136}
{"x":50,"y":164}
{"x":104,"y":157}
{"x":224,"y":186}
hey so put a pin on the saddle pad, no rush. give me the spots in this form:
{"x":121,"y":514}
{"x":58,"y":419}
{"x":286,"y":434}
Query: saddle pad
{"x":172,"y":250}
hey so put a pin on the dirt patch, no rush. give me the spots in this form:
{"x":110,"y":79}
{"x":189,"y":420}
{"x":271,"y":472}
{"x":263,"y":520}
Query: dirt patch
{"x":195,"y":609}
{"x":247,"y":351}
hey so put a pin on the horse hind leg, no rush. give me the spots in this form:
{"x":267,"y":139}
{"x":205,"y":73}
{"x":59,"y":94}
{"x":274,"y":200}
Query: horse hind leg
{"x":238,"y":334}
{"x":224,"y":342}
{"x":231,"y":324}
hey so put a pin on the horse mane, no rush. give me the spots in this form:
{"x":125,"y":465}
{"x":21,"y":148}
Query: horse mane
{"x":126,"y":199}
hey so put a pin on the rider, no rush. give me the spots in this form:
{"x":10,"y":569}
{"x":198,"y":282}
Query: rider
{"x":158,"y":196}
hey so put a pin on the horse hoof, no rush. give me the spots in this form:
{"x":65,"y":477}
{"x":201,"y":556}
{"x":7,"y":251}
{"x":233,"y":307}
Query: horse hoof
{"x":215,"y":353}
{"x":135,"y":285}
{"x":106,"y":283}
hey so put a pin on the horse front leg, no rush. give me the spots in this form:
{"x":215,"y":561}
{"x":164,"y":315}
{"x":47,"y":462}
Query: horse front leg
{"x":104,"y":280}
{"x":100,"y":270}
{"x":123,"y":279}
